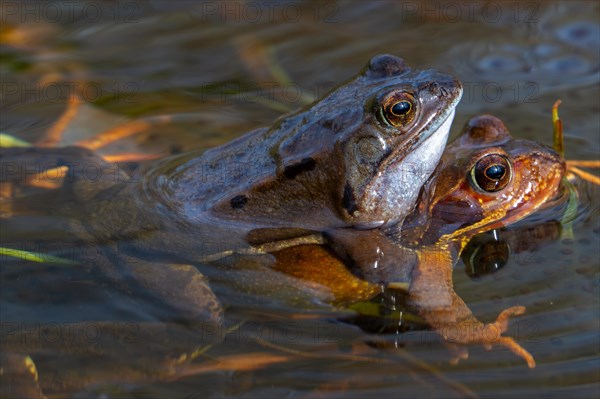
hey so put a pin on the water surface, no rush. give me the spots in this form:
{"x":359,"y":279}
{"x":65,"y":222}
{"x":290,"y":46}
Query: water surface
{"x":220,"y":64}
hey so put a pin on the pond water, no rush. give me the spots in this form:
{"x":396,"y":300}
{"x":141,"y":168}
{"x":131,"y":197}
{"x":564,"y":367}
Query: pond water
{"x":223,"y":68}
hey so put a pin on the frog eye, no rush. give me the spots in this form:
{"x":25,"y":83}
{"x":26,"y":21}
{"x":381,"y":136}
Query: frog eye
{"x":398,"y":109}
{"x":491,"y":173}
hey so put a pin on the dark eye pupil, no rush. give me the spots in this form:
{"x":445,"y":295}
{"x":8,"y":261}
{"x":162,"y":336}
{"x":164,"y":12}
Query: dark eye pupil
{"x":401,"y":108}
{"x":491,"y":173}
{"x":495,"y":172}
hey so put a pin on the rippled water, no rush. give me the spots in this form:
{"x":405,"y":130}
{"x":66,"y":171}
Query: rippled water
{"x":180,"y":58}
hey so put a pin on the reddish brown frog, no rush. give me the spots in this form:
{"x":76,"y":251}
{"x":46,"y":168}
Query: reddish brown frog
{"x":506,"y":180}
{"x":486,"y":179}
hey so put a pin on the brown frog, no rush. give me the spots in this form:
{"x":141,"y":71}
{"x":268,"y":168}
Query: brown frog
{"x":357,"y":157}
{"x":486,"y":179}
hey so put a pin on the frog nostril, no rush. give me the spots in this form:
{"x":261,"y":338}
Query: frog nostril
{"x":439,"y":90}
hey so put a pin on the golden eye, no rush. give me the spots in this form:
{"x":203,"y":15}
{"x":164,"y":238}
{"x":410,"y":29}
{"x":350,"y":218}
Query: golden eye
{"x":491,"y":173}
{"x":398,"y":109}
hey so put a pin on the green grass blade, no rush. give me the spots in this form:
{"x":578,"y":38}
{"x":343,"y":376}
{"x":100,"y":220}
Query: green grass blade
{"x":33,"y":256}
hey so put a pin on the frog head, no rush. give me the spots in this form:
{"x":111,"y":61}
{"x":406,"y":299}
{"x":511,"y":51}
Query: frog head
{"x":487,"y":179}
{"x":377,"y":139}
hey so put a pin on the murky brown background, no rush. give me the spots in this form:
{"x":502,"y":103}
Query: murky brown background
{"x":220,"y":64}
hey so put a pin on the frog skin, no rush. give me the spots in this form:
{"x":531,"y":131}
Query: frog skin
{"x":458,"y":202}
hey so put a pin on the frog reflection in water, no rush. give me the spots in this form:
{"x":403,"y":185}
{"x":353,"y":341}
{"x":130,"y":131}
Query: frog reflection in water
{"x":485,"y":180}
